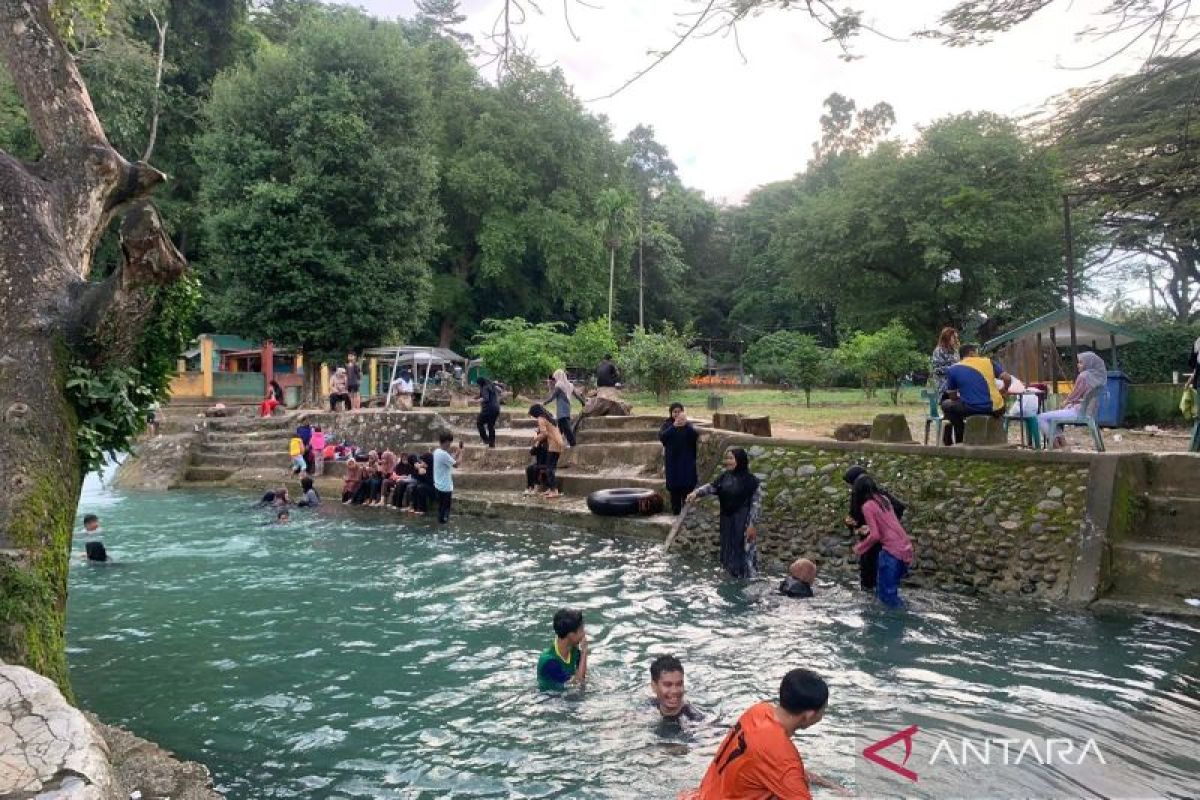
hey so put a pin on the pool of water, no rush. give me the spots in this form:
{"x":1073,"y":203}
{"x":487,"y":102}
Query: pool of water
{"x":362,"y":655}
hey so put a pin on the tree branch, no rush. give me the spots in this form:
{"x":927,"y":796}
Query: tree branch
{"x":161,"y":27}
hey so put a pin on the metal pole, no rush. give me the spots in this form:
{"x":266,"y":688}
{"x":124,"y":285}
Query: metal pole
{"x":1070,"y":253}
{"x":641,"y":270}
{"x":612,"y":271}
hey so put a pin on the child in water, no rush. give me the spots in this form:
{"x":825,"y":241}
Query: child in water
{"x":93,"y":547}
{"x":296,"y":451}
{"x":801,"y":576}
{"x":308,"y":495}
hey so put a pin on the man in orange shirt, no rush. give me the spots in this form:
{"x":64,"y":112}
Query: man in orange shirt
{"x":757,"y":760}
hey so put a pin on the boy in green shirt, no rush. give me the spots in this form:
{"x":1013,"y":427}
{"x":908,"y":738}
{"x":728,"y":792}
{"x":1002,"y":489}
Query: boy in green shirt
{"x":565,"y":661}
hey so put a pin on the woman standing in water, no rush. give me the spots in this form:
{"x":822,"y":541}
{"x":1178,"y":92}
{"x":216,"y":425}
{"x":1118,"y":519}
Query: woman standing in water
{"x":740,"y":496}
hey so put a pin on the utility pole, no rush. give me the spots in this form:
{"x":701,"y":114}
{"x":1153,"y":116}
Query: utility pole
{"x":1070,"y":255}
{"x":641,"y":270}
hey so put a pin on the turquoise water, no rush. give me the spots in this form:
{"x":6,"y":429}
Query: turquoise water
{"x":362,"y":655}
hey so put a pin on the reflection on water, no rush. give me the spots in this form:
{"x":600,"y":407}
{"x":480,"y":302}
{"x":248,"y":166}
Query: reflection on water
{"x":362,"y":655}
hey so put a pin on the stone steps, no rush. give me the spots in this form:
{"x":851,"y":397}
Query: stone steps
{"x":208,"y":474}
{"x":1175,"y":475}
{"x":1154,"y":569}
{"x":1171,"y":520}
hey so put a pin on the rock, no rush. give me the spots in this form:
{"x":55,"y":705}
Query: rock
{"x":828,"y":468}
{"x":788,"y":472}
{"x":1055,"y":493}
{"x":50,"y":749}
{"x":804,"y":470}
{"x":852,"y":432}
{"x":1010,"y":525}
{"x":1049,"y":505}
{"x":985,"y":431}
{"x":891,"y":428}
{"x":755,"y":451}
{"x":831,"y":490}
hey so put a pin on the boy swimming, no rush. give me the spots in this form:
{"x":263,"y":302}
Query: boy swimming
{"x":564,"y":661}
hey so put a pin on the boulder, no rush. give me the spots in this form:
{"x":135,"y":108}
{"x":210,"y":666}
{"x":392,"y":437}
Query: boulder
{"x":985,"y":431}
{"x":756,"y":426}
{"x":727,"y":422}
{"x":852,"y":432}
{"x":891,"y":428}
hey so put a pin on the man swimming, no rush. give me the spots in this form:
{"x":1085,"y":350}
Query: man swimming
{"x":565,"y":661}
{"x":666,"y":681}
{"x":757,"y":757}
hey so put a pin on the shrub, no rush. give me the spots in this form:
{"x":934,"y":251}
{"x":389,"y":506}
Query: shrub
{"x":519,"y":353}
{"x":792,"y":358}
{"x":659,"y":362}
{"x":590,"y":342}
{"x":1159,"y":351}
{"x":882,"y":358}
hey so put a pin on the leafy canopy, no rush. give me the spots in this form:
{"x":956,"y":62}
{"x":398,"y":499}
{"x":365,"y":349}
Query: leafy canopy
{"x":790,"y":357}
{"x":659,"y":362}
{"x":881,"y":359}
{"x":520,"y":354}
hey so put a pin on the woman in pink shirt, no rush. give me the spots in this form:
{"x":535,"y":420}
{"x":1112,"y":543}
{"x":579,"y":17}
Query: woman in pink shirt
{"x":884,"y":528}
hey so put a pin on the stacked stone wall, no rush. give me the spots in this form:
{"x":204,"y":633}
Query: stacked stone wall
{"x":1003,"y":523}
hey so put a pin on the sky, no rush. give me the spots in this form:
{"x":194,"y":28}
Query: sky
{"x":732,"y":125}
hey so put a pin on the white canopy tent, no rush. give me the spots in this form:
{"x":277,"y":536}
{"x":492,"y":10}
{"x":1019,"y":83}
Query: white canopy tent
{"x":415,"y":357}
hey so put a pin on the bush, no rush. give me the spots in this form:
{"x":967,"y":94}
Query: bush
{"x":882,"y":358}
{"x":590,"y":342}
{"x":519,"y":353}
{"x":792,"y":358}
{"x":659,"y":362}
{"x":1160,"y":350}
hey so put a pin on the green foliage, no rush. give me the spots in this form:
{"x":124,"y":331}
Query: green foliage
{"x":589,"y":343}
{"x":318,"y":186}
{"x":882,"y":358}
{"x":520,"y":354}
{"x":791,"y":358}
{"x":1159,"y":351}
{"x":659,"y":362}
{"x":112,"y":404}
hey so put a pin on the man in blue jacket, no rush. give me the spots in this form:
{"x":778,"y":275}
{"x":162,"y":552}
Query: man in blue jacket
{"x":679,"y":440}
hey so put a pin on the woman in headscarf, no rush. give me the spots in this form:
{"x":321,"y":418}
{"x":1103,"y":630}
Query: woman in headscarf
{"x":740,"y":496}
{"x":339,"y":391}
{"x":1093,"y":376}
{"x":944,"y":356}
{"x":868,"y":561}
{"x":354,"y":477}
{"x":561,"y":393}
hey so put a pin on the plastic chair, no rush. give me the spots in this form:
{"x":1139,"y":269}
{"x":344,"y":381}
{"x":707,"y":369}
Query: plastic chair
{"x":1086,"y":418}
{"x":933,"y":415}
{"x":1031,"y":429}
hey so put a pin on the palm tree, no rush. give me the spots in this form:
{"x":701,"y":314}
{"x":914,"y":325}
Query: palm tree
{"x":616,"y":226}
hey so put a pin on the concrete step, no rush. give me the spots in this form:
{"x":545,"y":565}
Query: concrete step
{"x":207,"y":474}
{"x":1175,"y":475}
{"x":1171,"y":520}
{"x":1145,"y":604}
{"x":273,"y":445}
{"x":571,"y":483}
{"x":640,"y":422}
{"x":234,"y":461}
{"x":516,"y":437}
{"x":1153,"y":569}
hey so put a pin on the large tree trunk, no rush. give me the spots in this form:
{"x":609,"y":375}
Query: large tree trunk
{"x":446,"y":333}
{"x":52,"y":214}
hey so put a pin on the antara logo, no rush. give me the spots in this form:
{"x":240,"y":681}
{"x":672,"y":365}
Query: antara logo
{"x":988,"y":752}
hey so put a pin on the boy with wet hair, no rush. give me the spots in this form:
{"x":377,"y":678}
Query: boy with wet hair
{"x":757,"y":757}
{"x":666,"y":681}
{"x":93,"y":548}
{"x":565,"y":661}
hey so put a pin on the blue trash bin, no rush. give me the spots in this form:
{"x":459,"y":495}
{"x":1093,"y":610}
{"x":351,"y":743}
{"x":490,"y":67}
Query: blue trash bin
{"x":1111,"y":413}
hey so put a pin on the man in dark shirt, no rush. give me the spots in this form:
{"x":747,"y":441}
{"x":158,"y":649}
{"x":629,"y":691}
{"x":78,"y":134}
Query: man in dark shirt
{"x":666,"y":681}
{"x":606,"y":372}
{"x":971,"y":391}
{"x":489,"y":410}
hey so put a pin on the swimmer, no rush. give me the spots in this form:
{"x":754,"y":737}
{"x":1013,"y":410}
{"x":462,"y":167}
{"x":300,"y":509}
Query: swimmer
{"x":565,"y":661}
{"x":282,"y":518}
{"x":666,"y":681}
{"x":308,"y":495}
{"x":93,"y":547}
{"x":757,"y":758}
{"x":800,"y":579}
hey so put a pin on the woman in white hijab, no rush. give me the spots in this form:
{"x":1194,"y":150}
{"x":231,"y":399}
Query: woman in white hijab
{"x":561,"y":393}
{"x":1093,"y":373}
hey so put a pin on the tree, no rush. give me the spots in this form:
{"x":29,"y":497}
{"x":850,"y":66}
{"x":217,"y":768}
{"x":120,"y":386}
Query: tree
{"x":617,"y":223}
{"x":63,"y":335}
{"x":659,"y":362}
{"x":1134,"y":161}
{"x":443,"y":17}
{"x":519,"y":353}
{"x":789,"y":357}
{"x":882,"y":358}
{"x":319,"y":190}
{"x":590,"y":342}
{"x":965,"y":222}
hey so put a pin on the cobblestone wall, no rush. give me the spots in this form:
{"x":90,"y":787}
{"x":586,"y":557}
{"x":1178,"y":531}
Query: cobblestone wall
{"x":991,"y":523}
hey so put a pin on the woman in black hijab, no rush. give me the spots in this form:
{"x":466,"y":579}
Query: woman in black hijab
{"x":868,"y":562}
{"x":740,"y":496}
